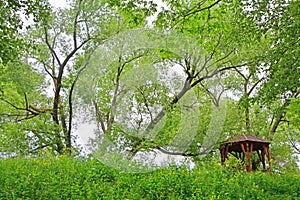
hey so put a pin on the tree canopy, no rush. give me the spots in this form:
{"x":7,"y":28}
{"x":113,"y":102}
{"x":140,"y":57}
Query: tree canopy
{"x":201,"y":72}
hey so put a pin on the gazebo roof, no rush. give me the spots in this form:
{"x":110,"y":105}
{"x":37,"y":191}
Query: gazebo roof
{"x":245,"y":138}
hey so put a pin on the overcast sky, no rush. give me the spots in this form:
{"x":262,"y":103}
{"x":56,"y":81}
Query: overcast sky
{"x":58,"y":3}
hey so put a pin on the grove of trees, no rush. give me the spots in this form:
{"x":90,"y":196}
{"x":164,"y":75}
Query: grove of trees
{"x":174,"y":77}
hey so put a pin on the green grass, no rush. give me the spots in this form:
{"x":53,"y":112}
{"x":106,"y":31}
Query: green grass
{"x":64,"y":178}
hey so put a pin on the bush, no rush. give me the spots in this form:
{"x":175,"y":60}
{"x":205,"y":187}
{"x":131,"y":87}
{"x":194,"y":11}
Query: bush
{"x":65,"y":178}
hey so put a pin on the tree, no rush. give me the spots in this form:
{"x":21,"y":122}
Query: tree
{"x":149,"y":89}
{"x":281,"y":68}
{"x":279,"y":22}
{"x":62,"y":41}
{"x":205,"y":46}
{"x":16,"y":74}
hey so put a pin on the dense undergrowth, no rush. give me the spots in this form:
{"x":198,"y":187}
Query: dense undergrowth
{"x":65,"y":178}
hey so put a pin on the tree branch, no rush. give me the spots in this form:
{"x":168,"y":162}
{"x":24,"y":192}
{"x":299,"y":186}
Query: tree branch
{"x":50,"y":47}
{"x":75,"y":26}
{"x":99,"y":116}
{"x":71,"y":96}
{"x":254,"y":86}
{"x":201,"y":9}
{"x":196,"y":9}
{"x":204,"y":152}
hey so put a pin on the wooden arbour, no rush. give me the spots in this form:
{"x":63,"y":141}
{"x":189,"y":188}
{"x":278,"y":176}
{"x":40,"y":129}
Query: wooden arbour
{"x":243,"y":146}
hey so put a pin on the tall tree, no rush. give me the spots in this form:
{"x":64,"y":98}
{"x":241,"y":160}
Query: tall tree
{"x":62,"y":41}
{"x":204,"y":45}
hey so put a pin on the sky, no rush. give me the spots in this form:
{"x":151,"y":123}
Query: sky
{"x":58,"y":3}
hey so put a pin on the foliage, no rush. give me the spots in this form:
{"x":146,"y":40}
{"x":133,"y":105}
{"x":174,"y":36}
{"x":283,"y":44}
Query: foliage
{"x":44,"y":72}
{"x":12,"y":44}
{"x":244,"y":50}
{"x":65,"y":178}
{"x":283,"y":79}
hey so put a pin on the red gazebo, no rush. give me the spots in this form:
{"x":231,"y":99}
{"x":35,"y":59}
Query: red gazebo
{"x":242,"y":146}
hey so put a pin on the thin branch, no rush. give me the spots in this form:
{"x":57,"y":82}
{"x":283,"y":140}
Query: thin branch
{"x":50,"y":47}
{"x":47,"y":71}
{"x":192,"y":11}
{"x":73,"y":52}
{"x":75,"y":26}
{"x":295,"y":146}
{"x":110,"y":119}
{"x":201,"y":9}
{"x":204,"y":152}
{"x":27,"y":117}
{"x":12,"y":105}
{"x":71,"y":93}
{"x":26,"y":101}
{"x":254,"y":86}
{"x":214,"y":51}
{"x":19,"y":117}
{"x":99,"y":116}
{"x":215,"y":72}
{"x":214,"y":99}
{"x":277,"y":122}
{"x":238,"y":71}
{"x":223,"y":58}
{"x":146,"y":104}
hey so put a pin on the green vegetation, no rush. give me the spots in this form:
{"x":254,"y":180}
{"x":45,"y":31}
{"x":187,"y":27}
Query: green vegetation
{"x":65,"y":178}
{"x":202,"y":71}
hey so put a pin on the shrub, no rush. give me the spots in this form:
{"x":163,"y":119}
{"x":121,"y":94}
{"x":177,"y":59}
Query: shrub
{"x":66,"y":178}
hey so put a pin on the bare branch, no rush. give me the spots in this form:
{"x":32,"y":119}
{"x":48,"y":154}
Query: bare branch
{"x":146,"y":104}
{"x":223,"y":58}
{"x":277,"y":122}
{"x":215,"y":100}
{"x":238,"y":71}
{"x":99,"y":116}
{"x":74,"y":51}
{"x":214,"y":51}
{"x":75,"y":26}
{"x":254,"y":86}
{"x":294,"y":146}
{"x":110,"y":119}
{"x":12,"y":105}
{"x":19,"y":117}
{"x":47,"y":71}
{"x":71,"y":94}
{"x":215,"y":72}
{"x":50,"y":47}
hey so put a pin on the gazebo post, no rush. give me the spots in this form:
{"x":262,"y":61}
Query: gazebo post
{"x":263,"y":153}
{"x":226,"y":151}
{"x":222,"y":149}
{"x":243,"y":157}
{"x":248,"y":152}
{"x":267,"y":149}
